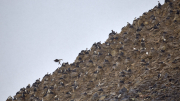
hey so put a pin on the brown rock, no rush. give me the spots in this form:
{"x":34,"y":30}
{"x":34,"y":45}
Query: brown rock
{"x":74,"y":74}
{"x":102,"y":97}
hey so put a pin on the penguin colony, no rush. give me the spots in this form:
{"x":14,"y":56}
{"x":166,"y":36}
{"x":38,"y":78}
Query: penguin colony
{"x":141,"y":63}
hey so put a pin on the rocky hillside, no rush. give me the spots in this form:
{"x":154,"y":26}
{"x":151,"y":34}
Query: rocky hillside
{"x":141,"y":63}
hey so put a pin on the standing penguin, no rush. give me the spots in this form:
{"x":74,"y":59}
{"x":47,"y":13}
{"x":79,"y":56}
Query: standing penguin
{"x":167,"y":1}
{"x":159,"y":4}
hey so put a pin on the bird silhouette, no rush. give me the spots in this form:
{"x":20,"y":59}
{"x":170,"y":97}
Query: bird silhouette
{"x":58,"y":60}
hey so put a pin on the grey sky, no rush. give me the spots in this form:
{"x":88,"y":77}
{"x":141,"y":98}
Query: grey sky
{"x":35,"y":32}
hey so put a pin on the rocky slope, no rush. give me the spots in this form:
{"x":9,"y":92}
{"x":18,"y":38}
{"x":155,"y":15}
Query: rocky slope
{"x":141,"y":63}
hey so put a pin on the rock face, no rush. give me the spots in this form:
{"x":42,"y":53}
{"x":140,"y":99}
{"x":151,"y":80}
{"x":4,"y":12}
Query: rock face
{"x":139,"y":63}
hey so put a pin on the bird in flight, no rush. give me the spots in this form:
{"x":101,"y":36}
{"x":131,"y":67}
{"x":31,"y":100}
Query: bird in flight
{"x":58,"y":60}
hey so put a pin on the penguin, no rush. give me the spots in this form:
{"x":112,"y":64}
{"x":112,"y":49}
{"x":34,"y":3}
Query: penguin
{"x":145,"y":13}
{"x":23,"y":95}
{"x":159,"y":4}
{"x":113,"y":32}
{"x":128,"y":23}
{"x":106,"y":60}
{"x":167,"y":1}
{"x":116,"y":38}
{"x":109,"y":54}
{"x":100,"y":89}
{"x":90,"y":60}
{"x":131,"y":26}
{"x":177,"y":12}
{"x":170,"y":4}
{"x":72,"y":64}
{"x":121,"y":48}
{"x":142,"y":44}
{"x":99,"y":67}
{"x":121,"y":81}
{"x":121,"y":43}
{"x":122,"y":54}
{"x":68,"y":92}
{"x":142,"y":24}
{"x":63,"y":64}
{"x":138,"y":30}
{"x":74,"y":70}
{"x":135,"y":49}
{"x":28,"y":86}
{"x":155,"y":27}
{"x":143,"y":60}
{"x":159,"y":75}
{"x":99,"y":53}
{"x":107,"y":43}
{"x":87,"y":52}
{"x":95,"y":72}
{"x":61,"y":83}
{"x":99,"y":43}
{"x":137,"y":36}
{"x":9,"y":98}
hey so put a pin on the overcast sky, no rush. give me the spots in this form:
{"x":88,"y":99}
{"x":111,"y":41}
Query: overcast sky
{"x":35,"y":32}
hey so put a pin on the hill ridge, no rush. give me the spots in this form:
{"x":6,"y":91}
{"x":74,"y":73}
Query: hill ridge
{"x":139,"y":63}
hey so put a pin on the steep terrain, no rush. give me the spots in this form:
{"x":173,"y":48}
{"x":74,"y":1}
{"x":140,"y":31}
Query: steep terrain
{"x":141,"y":63}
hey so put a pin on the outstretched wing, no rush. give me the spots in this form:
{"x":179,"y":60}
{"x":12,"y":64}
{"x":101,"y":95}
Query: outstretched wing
{"x":56,"y":60}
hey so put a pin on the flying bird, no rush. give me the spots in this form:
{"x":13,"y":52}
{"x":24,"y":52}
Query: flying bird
{"x":58,"y":60}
